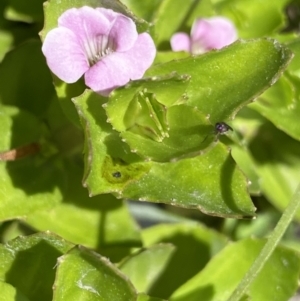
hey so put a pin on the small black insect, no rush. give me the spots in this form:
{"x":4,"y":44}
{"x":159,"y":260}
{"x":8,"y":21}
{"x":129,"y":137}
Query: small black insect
{"x":116,"y":174}
{"x":222,"y":127}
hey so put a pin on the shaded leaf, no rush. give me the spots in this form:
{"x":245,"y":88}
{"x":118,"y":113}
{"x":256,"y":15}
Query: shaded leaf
{"x":145,"y":266}
{"x":27,"y":263}
{"x":277,"y":280}
{"x":190,"y":240}
{"x":28,"y":12}
{"x":17,"y":70}
{"x":275,"y":158}
{"x":31,"y":183}
{"x":102,"y":223}
{"x":281,"y":105}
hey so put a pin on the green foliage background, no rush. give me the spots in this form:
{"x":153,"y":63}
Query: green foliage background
{"x":62,"y":207}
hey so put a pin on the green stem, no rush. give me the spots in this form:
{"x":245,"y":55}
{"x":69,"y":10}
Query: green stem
{"x":269,"y":247}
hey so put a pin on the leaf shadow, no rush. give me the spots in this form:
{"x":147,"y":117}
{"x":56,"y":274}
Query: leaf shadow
{"x":32,"y":271}
{"x":183,"y":264}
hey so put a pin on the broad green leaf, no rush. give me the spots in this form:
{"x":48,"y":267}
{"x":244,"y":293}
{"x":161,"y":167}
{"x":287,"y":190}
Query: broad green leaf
{"x":27,"y":263}
{"x":211,"y":183}
{"x":189,"y":240}
{"x":275,"y":158}
{"x":22,"y":11}
{"x":111,"y":167}
{"x":281,"y":105}
{"x":249,"y":16}
{"x":219,"y":88}
{"x":33,"y":81}
{"x":9,"y":293}
{"x":85,"y":275}
{"x":31,"y":183}
{"x":277,"y":281}
{"x":102,"y":223}
{"x":145,"y":266}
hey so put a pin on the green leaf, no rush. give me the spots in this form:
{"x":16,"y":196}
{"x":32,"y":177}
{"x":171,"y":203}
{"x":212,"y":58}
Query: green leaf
{"x":109,"y":164}
{"x":27,"y":263}
{"x":281,"y":105}
{"x":31,"y":183}
{"x":211,"y":183}
{"x":294,"y":67}
{"x":146,"y":265}
{"x":189,"y":240}
{"x":219,"y":88}
{"x":102,"y":223}
{"x":85,"y":275}
{"x":28,"y":12}
{"x":9,"y":293}
{"x":249,"y":16}
{"x":6,"y":41}
{"x":33,"y":81}
{"x":154,"y":120}
{"x":275,"y":158}
{"x":281,"y":272}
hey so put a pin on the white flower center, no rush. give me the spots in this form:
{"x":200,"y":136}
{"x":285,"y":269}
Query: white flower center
{"x":98,"y":47}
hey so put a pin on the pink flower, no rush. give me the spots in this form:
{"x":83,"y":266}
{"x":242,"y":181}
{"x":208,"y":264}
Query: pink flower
{"x":206,"y":34}
{"x":101,"y":44}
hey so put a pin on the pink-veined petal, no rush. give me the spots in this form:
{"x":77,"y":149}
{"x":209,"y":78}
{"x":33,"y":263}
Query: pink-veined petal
{"x":123,"y":33}
{"x":180,"y":41}
{"x":85,"y":22}
{"x":65,"y":56}
{"x":117,"y":69}
{"x":213,"y":33}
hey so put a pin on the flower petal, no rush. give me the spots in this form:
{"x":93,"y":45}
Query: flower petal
{"x":65,"y":56}
{"x":117,"y":69}
{"x":123,"y":33}
{"x":85,"y":22}
{"x":213,"y":33}
{"x":108,"y":13}
{"x":180,"y":41}
{"x":141,"y":56}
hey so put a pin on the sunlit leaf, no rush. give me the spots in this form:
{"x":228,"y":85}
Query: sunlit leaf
{"x":85,"y":275}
